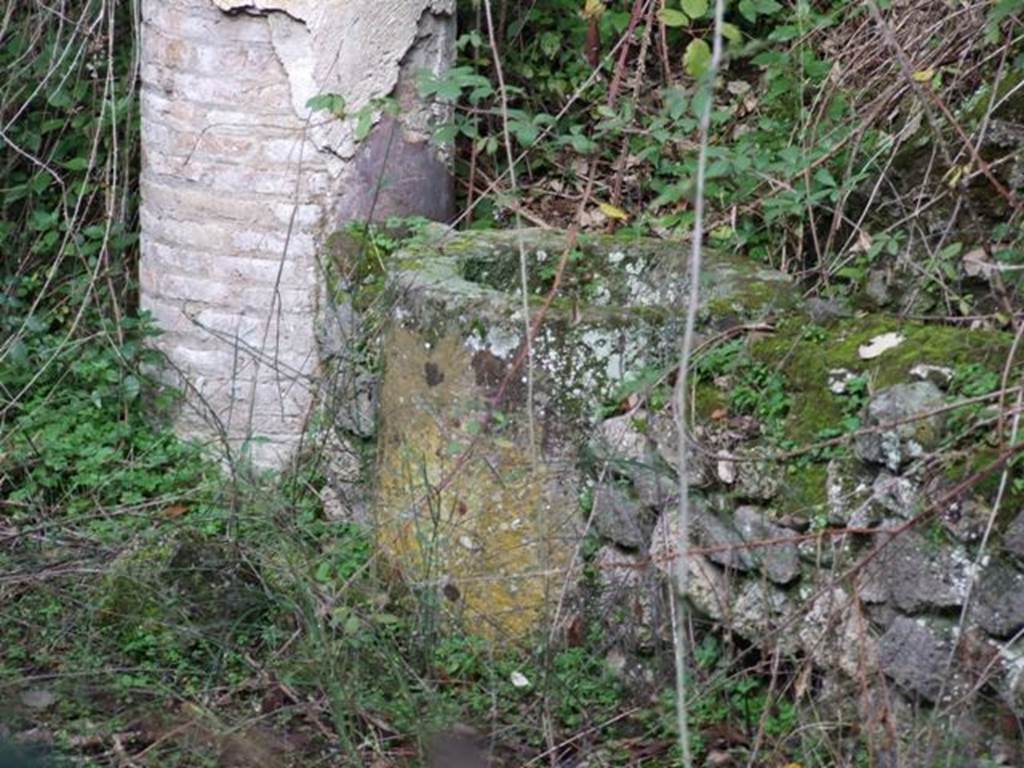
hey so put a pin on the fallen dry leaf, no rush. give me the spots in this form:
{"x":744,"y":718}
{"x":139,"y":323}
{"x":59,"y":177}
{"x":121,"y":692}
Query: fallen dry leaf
{"x":613,"y":212}
{"x":174,"y":511}
{"x":879,"y":345}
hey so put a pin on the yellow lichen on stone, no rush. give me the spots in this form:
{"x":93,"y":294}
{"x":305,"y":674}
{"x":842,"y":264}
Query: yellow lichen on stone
{"x":460,"y":508}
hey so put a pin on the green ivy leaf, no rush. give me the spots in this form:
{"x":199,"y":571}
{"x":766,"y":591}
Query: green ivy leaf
{"x":731,"y":32}
{"x":364,"y":124}
{"x":323,"y":571}
{"x":676,"y":101}
{"x":330,"y":102}
{"x":673,"y":18}
{"x":694,"y":8}
{"x":132,"y":387}
{"x":77,"y":164}
{"x":697,"y":58}
{"x":823,"y":177}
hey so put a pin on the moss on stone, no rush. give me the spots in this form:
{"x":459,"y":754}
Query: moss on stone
{"x":459,"y":503}
{"x":708,"y":399}
{"x":804,"y":490}
{"x":805,"y":361}
{"x":748,"y":298}
{"x":980,"y":461}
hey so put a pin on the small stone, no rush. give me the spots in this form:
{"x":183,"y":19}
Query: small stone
{"x":726,"y":469}
{"x":619,"y":518}
{"x":848,"y":492}
{"x":779,"y":562}
{"x":898,"y":495}
{"x":699,"y":470}
{"x":655,"y":485}
{"x":997,"y":605}
{"x":628,"y":597}
{"x":757,"y":480}
{"x":977,"y":263}
{"x":707,"y":588}
{"x":826,"y":310}
{"x":723,"y":543}
{"x":631,"y":454}
{"x":338,"y":330}
{"x":1012,"y":657}
{"x":900,"y":430}
{"x":357,"y":406}
{"x":966,"y":520}
{"x":839,"y":380}
{"x":877,"y":288}
{"x":916,"y":656}
{"x":718,"y":758}
{"x":759,"y":608}
{"x":834,"y":634}
{"x":619,"y":439}
{"x":1013,"y":537}
{"x":939,"y":375}
{"x":38,"y":698}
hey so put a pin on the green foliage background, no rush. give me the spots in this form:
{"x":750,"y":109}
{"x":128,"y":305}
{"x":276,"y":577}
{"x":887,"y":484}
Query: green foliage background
{"x":106,"y":517}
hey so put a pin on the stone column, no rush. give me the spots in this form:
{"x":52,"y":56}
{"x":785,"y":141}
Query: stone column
{"x":241,"y":182}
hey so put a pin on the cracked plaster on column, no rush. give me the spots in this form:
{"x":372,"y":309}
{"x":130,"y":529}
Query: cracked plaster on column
{"x":354,"y":48}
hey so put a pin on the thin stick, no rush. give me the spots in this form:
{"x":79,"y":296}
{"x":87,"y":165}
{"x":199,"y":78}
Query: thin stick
{"x":523,"y":267}
{"x":683,"y":511}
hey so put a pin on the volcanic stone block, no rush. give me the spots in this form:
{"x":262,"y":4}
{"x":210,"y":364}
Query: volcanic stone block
{"x":478,"y":457}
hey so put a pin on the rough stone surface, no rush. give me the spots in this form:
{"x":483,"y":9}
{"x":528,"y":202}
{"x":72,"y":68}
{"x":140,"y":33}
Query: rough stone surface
{"x":877,"y":288}
{"x":780,"y":562}
{"x":898,"y":495}
{"x":700,"y":472}
{"x":468,"y":507}
{"x":654,"y":483}
{"x":619,"y":518}
{"x":627,"y":601}
{"x":630,"y":453}
{"x":757,"y":609}
{"x":835,"y":634}
{"x":238,"y":185}
{"x":967,"y":519}
{"x":722,"y":543}
{"x":1013,"y":537}
{"x":896,"y":440}
{"x":38,"y":698}
{"x":850,"y":500}
{"x":756,"y":480}
{"x":823,"y":311}
{"x":619,"y":441}
{"x":748,"y":607}
{"x":463,"y":508}
{"x":1012,"y":658}
{"x":345,"y":495}
{"x":708,"y":590}
{"x":916,"y":656}
{"x":912,"y":574}
{"x":997,"y":601}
